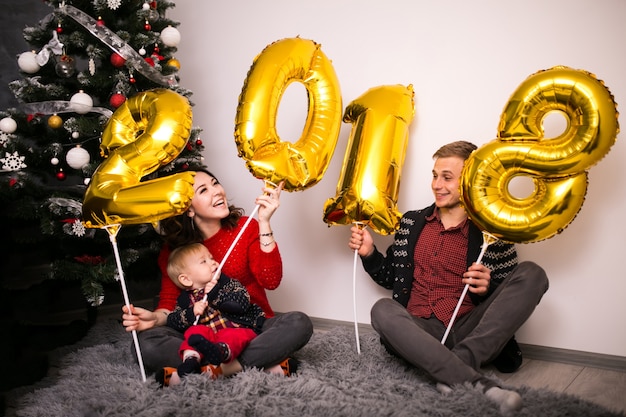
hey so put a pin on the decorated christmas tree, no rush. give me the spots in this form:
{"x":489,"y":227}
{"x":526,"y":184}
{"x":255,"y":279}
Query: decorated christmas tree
{"x":87,"y":58}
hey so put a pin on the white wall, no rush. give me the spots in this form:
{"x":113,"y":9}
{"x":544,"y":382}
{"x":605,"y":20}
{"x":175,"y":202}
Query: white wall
{"x":464,"y":59}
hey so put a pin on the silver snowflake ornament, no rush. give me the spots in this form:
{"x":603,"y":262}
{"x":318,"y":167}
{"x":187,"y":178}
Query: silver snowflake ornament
{"x":13,"y":162}
{"x":5,"y":138}
{"x":78,"y":228}
{"x":114,"y":4}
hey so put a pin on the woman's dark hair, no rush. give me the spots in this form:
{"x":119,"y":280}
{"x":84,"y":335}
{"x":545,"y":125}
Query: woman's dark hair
{"x":179,"y":230}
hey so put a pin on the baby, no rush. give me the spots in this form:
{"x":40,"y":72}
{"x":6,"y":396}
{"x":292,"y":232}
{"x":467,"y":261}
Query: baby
{"x":227,"y":320}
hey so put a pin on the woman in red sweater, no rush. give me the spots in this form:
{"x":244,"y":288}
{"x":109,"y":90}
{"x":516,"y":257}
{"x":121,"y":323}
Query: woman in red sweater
{"x":254,"y":261}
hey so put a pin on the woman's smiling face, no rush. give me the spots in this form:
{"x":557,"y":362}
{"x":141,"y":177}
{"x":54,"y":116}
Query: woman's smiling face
{"x":209,"y":201}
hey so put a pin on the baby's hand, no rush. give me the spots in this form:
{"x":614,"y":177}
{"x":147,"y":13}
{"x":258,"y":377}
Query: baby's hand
{"x":199,"y":307}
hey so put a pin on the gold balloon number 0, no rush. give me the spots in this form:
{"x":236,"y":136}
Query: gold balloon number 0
{"x":148,"y":131}
{"x":367,"y":190}
{"x":303,"y":163}
{"x":557,"y":166}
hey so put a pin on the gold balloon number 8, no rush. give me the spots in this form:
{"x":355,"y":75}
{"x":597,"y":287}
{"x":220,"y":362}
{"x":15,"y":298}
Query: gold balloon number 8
{"x":557,"y":166}
{"x":148,"y":131}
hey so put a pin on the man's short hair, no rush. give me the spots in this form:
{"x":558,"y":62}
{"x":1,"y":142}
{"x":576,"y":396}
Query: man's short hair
{"x":461,"y":148}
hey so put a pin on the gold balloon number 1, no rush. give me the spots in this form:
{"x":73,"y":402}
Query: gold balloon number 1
{"x":557,"y":166}
{"x":368,"y":187}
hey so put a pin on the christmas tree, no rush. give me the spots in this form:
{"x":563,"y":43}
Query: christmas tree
{"x":87,"y":58}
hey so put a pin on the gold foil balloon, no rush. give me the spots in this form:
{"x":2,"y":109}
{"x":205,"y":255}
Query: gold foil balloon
{"x":368,"y":187}
{"x":303,"y":163}
{"x":146,"y":132}
{"x":557,"y":166}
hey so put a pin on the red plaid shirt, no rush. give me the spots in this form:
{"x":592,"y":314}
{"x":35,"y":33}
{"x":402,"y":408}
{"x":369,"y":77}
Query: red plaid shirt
{"x":440,"y":261}
{"x":211,"y":317}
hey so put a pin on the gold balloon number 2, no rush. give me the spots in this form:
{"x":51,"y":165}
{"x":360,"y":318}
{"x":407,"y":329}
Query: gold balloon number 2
{"x":557,"y":166}
{"x":148,"y":131}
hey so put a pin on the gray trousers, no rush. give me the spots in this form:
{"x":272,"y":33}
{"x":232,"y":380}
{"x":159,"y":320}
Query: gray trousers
{"x":282,"y":335}
{"x":474,"y":340}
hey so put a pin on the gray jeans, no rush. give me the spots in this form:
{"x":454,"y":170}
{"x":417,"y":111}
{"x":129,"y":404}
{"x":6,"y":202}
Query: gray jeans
{"x":474,"y":340}
{"x":282,"y":335}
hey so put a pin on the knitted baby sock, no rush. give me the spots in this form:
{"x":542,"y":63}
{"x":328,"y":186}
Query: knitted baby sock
{"x":191,"y":365}
{"x":214,"y":353}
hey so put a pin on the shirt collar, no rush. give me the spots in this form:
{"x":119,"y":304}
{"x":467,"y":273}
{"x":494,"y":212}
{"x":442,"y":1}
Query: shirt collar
{"x":463,"y":226}
{"x":198,"y":292}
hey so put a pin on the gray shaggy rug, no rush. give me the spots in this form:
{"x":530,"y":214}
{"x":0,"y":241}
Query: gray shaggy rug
{"x":98,"y":377}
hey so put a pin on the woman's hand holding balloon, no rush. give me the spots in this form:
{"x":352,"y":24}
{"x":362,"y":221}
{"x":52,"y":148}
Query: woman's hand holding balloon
{"x":141,"y":319}
{"x":268,"y":202}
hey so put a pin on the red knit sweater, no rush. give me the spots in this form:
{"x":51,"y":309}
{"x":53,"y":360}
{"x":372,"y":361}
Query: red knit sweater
{"x":256,"y":270}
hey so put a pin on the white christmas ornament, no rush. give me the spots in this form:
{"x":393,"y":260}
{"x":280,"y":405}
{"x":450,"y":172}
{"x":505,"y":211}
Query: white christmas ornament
{"x":54,"y":161}
{"x":27,"y":61}
{"x":8,"y":125}
{"x":170,"y":36}
{"x":77,"y":157}
{"x":81,"y":102}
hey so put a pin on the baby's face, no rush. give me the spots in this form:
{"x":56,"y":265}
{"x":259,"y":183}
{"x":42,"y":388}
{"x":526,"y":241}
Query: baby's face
{"x":201,"y":267}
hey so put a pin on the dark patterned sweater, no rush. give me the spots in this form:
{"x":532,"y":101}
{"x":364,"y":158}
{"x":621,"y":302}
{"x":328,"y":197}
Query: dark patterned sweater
{"x":395,"y":269}
{"x":229,"y":306}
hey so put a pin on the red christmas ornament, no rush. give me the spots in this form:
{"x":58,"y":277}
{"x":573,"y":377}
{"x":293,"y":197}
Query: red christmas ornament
{"x":132,"y":80}
{"x":185,"y":165}
{"x":59,"y":29}
{"x":149,"y":61}
{"x":117,"y":100}
{"x":199,"y":142}
{"x":61,"y":175}
{"x":117,"y":60}
{"x":30,"y":117}
{"x":12,"y":182}
{"x":153,"y":4}
{"x":189,"y":147}
{"x":88,"y":259}
{"x":100,"y":22}
{"x":147,"y":26}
